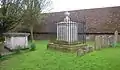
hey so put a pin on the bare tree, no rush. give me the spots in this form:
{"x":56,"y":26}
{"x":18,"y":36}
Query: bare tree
{"x":33,"y":13}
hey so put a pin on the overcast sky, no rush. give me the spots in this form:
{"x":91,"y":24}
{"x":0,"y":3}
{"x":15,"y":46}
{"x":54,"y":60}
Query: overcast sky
{"x":64,"y":5}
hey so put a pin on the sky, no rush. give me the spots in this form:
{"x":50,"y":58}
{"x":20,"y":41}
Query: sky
{"x":66,"y":5}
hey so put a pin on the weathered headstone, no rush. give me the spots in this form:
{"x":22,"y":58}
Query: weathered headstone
{"x":80,"y":52}
{"x":90,"y":48}
{"x":104,"y":41}
{"x":88,"y":38}
{"x":85,"y":49}
{"x":110,"y":40}
{"x":115,"y":37}
{"x":98,"y":41}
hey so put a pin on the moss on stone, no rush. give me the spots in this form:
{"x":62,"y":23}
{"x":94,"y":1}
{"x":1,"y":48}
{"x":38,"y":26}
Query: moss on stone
{"x":64,"y":46}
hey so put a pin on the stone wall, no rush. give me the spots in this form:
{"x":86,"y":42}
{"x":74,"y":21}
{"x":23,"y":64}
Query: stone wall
{"x":54,"y":36}
{"x":45,"y":36}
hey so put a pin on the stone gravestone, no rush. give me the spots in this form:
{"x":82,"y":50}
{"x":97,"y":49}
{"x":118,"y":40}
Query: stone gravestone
{"x":104,"y":41}
{"x":80,"y":52}
{"x":91,"y":48}
{"x":115,"y":37}
{"x":110,"y":40}
{"x":98,"y":41}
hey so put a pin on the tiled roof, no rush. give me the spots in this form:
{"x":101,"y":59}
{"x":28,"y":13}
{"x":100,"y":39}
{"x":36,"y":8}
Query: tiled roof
{"x":103,"y":20}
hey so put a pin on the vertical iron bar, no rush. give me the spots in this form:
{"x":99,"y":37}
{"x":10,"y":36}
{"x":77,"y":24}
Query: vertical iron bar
{"x":85,"y":29}
{"x":57,"y":32}
{"x":83,"y":32}
{"x":62,"y":32}
{"x":70,"y":32}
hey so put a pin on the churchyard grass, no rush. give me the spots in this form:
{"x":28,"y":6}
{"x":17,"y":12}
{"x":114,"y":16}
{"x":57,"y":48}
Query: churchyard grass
{"x":43,"y":59}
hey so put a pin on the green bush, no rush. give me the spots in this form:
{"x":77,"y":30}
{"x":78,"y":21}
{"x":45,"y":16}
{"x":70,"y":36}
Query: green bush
{"x":2,"y":39}
{"x":32,"y":47}
{"x":115,"y":45}
{"x":18,"y":49}
{"x":0,"y":56}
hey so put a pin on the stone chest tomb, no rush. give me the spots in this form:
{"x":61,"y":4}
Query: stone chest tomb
{"x":16,"y":40}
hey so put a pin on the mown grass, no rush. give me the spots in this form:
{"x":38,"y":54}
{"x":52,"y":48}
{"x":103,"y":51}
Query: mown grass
{"x":43,"y":59}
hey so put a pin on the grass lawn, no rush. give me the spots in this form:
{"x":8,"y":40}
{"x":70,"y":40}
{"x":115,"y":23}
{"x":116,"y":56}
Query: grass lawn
{"x":43,"y":59}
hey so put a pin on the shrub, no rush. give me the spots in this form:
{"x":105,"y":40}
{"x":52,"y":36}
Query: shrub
{"x":0,"y":56}
{"x":32,"y":46}
{"x":116,"y":45}
{"x":2,"y":39}
{"x":17,"y":50}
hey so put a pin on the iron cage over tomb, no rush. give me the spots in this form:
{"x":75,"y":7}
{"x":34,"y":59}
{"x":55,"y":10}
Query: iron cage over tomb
{"x":68,"y":30}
